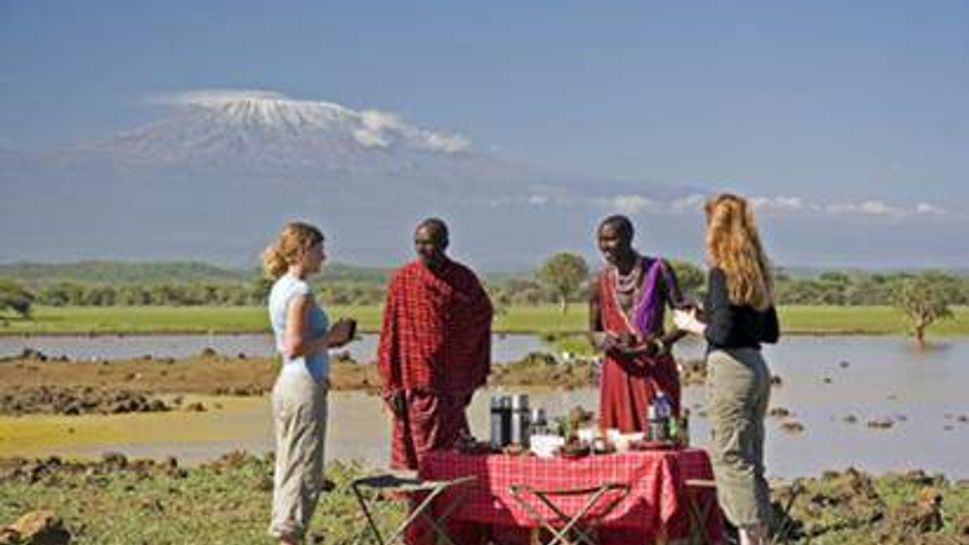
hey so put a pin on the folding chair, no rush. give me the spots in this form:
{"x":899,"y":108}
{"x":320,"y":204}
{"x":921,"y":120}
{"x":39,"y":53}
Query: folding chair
{"x":783,"y":528}
{"x":419,"y":495}
{"x":701,"y":500}
{"x":578,"y":527}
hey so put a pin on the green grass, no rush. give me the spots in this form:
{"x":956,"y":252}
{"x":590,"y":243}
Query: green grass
{"x":228,"y":502}
{"x":216,"y":505}
{"x":537,"y":319}
{"x":867,"y":319}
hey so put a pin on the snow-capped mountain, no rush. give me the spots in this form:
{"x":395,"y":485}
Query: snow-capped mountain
{"x":260,"y":128}
{"x":222,"y":173}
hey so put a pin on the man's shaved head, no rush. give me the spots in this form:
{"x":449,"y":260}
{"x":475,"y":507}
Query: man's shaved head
{"x":431,"y":241}
{"x":435,"y":226}
{"x":614,"y":238}
{"x":621,"y":224}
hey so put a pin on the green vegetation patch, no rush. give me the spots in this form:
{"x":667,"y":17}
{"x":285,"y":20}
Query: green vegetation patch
{"x":795,"y":319}
{"x":117,"y":501}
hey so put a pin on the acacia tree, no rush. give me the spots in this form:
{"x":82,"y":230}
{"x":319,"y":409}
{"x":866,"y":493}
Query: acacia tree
{"x":924,"y":299}
{"x":564,"y":273}
{"x":16,"y":297}
{"x":689,"y":277}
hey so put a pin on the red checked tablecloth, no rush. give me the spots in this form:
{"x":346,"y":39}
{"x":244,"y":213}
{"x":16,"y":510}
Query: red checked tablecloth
{"x":656,"y":504}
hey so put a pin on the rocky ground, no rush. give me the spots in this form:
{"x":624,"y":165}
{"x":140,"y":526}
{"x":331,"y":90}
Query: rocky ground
{"x":116,"y":500}
{"x":33,"y":383}
{"x":19,"y":400}
{"x":855,"y":507}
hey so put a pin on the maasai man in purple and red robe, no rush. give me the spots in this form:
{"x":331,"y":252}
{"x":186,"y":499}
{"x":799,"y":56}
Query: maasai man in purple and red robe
{"x":626,"y":310}
{"x":435,"y":347}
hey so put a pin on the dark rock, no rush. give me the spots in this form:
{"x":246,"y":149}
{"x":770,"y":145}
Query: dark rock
{"x":114,"y":460}
{"x":792,"y":427}
{"x":961,"y":525}
{"x":779,"y":412}
{"x":923,"y":516}
{"x":38,"y":528}
{"x":265,"y":484}
{"x":209,"y":353}
{"x":32,"y":354}
{"x":883,"y":423}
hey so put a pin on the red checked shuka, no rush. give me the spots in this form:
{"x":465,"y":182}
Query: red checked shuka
{"x":435,"y":351}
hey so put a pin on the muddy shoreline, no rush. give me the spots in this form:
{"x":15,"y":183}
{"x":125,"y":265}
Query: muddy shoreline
{"x":36,"y":384}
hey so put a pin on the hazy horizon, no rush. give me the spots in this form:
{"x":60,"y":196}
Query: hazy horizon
{"x":143,"y":131}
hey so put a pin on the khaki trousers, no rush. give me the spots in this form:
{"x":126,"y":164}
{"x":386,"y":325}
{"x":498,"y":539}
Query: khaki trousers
{"x":738,"y":389}
{"x":299,"y":409}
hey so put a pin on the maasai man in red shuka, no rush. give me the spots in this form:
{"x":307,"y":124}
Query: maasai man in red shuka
{"x":626,"y":311}
{"x":435,"y":347}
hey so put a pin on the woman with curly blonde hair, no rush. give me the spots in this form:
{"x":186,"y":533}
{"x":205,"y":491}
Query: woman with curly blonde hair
{"x":738,"y":315}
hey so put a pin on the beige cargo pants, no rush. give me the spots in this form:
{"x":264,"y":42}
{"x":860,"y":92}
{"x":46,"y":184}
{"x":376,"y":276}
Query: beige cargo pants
{"x":738,"y":389}
{"x":299,"y":410}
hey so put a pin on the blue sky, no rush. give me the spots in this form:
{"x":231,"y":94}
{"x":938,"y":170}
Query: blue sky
{"x":825,"y":101}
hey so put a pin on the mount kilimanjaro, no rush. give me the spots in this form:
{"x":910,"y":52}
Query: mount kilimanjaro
{"x":218,"y":178}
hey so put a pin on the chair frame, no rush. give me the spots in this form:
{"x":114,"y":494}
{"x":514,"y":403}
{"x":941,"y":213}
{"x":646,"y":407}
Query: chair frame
{"x":393,"y":487}
{"x":561,"y":525}
{"x":779,"y":534}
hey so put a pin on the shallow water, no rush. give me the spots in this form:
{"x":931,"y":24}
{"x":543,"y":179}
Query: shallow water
{"x":114,"y":347}
{"x":923,"y":392}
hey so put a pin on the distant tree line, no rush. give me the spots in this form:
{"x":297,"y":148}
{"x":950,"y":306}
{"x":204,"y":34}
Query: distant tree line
{"x":98,"y":295}
{"x":838,"y":288}
{"x":561,"y":279}
{"x":76,"y":294}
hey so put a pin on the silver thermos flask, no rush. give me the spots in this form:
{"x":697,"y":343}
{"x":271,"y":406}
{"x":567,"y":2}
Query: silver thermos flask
{"x":520,"y":420}
{"x":496,"y":433}
{"x":506,"y":417}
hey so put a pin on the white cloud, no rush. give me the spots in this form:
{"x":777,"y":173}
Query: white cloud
{"x":212,"y":97}
{"x":869,"y":208}
{"x":538,"y":200}
{"x":376,"y":128}
{"x":691,"y":203}
{"x":448,"y":143}
{"x":926,"y":208}
{"x":778,"y":204}
{"x":773,"y":205}
{"x":631,"y":204}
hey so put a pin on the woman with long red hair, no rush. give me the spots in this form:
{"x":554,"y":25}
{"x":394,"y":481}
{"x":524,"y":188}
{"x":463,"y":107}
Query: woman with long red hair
{"x":738,"y":315}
